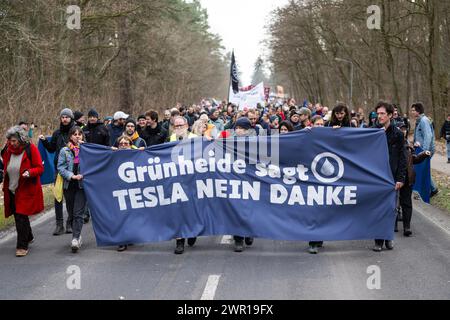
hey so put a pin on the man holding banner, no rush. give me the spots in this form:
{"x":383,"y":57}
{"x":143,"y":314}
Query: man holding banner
{"x":397,"y":157}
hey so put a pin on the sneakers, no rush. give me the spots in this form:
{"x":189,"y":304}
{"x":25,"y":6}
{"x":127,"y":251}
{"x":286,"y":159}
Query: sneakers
{"x":377,"y":248}
{"x":59,"y":230}
{"x":191,"y":241}
{"x":180,"y":246}
{"x":21,"y":252}
{"x":313,"y":249}
{"x":248,"y":241}
{"x":238,"y":246}
{"x":76,"y":245}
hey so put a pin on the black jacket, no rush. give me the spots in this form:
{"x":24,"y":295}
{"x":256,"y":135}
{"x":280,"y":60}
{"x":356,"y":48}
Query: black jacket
{"x":155,"y":136}
{"x":59,"y":140}
{"x":97,"y":133}
{"x":445,"y":131}
{"x":397,"y":153}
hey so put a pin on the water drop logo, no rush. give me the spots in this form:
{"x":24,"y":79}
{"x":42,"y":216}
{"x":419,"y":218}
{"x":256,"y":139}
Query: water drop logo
{"x":330,"y":170}
{"x":327,"y":168}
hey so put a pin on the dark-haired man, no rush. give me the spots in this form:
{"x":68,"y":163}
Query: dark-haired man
{"x":397,"y":156}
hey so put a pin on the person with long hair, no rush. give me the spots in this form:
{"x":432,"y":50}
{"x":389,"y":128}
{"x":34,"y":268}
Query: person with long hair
{"x":69,"y":169}
{"x":22,"y":188}
{"x":340,"y":117}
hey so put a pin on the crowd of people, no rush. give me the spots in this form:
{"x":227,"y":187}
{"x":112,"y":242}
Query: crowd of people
{"x":22,"y":162}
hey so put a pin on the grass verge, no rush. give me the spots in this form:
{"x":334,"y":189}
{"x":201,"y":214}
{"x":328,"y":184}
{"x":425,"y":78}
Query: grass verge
{"x":442,"y":199}
{"x":48,"y":203}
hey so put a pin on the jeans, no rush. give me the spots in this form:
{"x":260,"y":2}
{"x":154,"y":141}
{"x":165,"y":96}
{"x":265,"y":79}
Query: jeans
{"x":23,"y":227}
{"x":75,"y":204}
{"x":448,"y":150}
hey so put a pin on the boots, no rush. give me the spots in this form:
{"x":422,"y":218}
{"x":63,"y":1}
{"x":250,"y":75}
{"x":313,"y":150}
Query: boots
{"x":59,"y":230}
{"x":69,"y":227}
{"x":180,"y":246}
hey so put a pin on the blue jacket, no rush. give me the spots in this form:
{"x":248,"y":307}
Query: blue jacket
{"x":424,"y":134}
{"x":65,"y":166}
{"x":114,"y":133}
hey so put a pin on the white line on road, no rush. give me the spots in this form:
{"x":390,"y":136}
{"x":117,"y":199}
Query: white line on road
{"x":210,"y":288}
{"x":43,"y":218}
{"x":226,"y":240}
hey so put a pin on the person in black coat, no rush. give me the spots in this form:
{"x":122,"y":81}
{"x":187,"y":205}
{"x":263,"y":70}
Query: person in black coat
{"x":59,"y":140}
{"x":445,"y":134}
{"x":155,"y":133}
{"x":397,"y":156}
{"x":340,"y":117}
{"x":95,"y":131}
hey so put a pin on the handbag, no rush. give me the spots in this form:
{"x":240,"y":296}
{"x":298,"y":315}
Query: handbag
{"x":58,"y":188}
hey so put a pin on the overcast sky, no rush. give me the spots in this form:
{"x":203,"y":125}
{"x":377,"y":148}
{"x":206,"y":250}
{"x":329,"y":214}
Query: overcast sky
{"x":240,"y":24}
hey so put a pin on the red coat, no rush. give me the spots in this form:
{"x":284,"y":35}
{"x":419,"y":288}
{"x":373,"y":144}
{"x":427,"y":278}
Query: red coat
{"x":29,"y":197}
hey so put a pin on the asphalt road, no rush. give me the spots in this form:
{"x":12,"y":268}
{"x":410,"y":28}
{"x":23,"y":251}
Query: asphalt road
{"x":418,"y":268}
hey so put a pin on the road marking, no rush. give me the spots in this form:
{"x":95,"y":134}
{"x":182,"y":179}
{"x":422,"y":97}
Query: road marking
{"x":46,"y":216}
{"x":210,"y":288}
{"x":226,"y":240}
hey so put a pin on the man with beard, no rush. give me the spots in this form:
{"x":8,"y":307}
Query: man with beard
{"x":215,"y":120}
{"x":59,"y":140}
{"x":130,"y":131}
{"x":95,"y":131}
{"x":117,"y":127}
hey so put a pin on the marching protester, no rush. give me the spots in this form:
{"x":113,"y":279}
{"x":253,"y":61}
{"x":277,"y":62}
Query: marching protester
{"x":141,"y":125}
{"x":305,"y":116}
{"x":181,"y":132}
{"x":445,"y":134}
{"x":79,"y":119}
{"x":340,"y":117}
{"x":117,"y":127}
{"x":199,"y":128}
{"x":59,"y":140}
{"x":130,"y":130}
{"x":317,"y":121}
{"x":107,"y":121}
{"x":95,"y":131}
{"x":255,"y":126}
{"x":243,"y":128}
{"x":410,"y":178}
{"x":397,"y":157}
{"x":22,"y":189}
{"x":69,"y":169}
{"x":124,"y":143}
{"x":424,"y":135}
{"x":154,"y":132}
{"x":285,"y":127}
{"x":294,"y":118}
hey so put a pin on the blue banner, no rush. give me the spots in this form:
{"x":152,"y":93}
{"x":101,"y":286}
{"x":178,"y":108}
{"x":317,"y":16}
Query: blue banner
{"x":319,"y":184}
{"x":48,"y":176}
{"x":423,"y":178}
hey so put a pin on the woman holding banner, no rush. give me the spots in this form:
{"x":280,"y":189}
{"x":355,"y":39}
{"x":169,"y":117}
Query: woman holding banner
{"x":69,"y":169}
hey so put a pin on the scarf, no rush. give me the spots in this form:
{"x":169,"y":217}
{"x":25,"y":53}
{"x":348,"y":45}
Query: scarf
{"x":16,"y":151}
{"x":76,"y":151}
{"x":135,"y":136}
{"x":66,"y":128}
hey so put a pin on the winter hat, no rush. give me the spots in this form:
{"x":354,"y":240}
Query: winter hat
{"x":141,"y":117}
{"x":304,"y":111}
{"x":243,"y":123}
{"x":77,"y":115}
{"x":211,"y":112}
{"x":273,"y":118}
{"x":93,"y":113}
{"x":130,"y":120}
{"x":66,"y":112}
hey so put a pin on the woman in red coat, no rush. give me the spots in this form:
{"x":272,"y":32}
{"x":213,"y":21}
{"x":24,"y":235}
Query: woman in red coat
{"x":22,"y":185}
